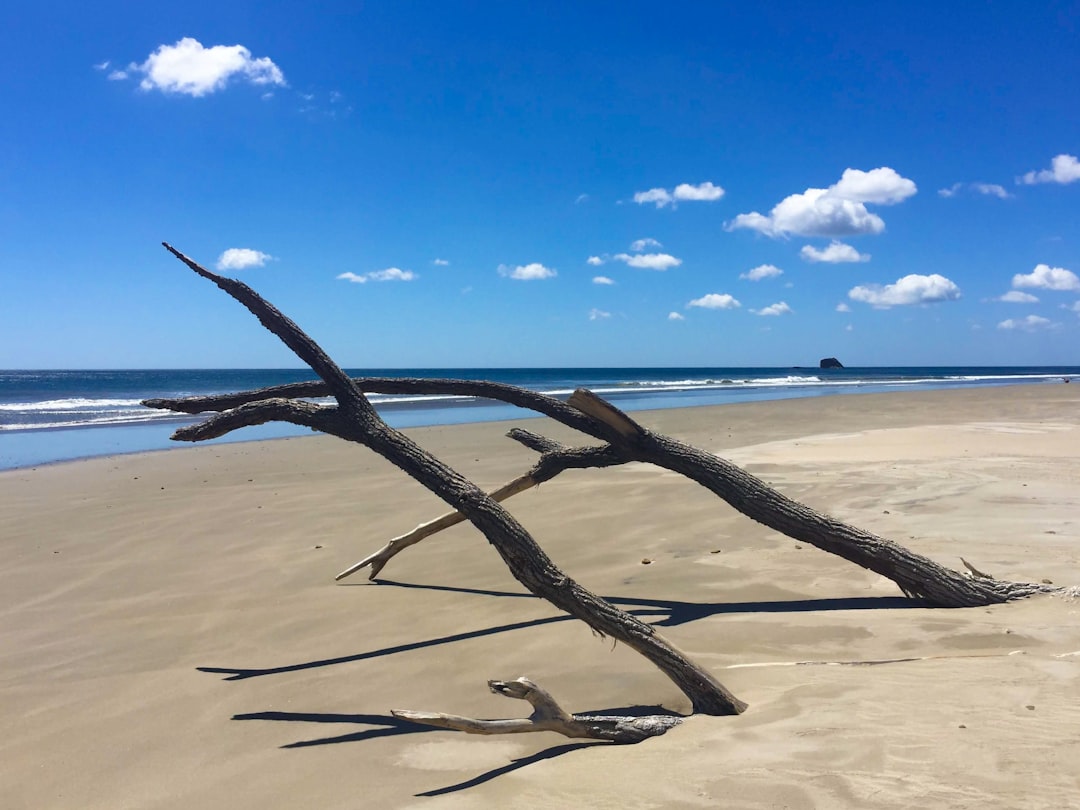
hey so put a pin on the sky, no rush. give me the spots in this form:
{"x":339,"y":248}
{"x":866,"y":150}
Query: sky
{"x":479,"y":184}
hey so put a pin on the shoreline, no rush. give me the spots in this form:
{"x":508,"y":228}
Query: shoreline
{"x":174,"y":636}
{"x":33,"y":447}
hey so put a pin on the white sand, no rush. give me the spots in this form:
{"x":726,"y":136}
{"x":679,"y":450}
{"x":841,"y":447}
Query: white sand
{"x":122,"y":577}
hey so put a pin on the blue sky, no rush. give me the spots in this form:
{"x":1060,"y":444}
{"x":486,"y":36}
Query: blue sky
{"x":451,"y":184}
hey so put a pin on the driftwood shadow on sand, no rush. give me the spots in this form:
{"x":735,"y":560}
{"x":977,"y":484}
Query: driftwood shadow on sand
{"x":673,"y":613}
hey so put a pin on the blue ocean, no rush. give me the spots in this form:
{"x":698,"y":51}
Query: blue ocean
{"x":50,"y":416}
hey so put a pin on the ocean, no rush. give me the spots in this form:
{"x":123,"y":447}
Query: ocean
{"x":51,"y":416}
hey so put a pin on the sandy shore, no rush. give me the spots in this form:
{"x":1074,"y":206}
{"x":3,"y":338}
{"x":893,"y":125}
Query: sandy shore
{"x":172,"y":636}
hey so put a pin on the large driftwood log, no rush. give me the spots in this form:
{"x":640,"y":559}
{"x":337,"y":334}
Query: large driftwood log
{"x":917,"y":576}
{"x":354,"y":419}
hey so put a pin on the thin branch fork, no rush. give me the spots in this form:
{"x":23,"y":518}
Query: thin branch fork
{"x":548,"y":715}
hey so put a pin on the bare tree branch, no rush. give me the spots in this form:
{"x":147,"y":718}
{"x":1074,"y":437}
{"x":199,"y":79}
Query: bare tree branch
{"x":357,"y":421}
{"x":548,"y":716}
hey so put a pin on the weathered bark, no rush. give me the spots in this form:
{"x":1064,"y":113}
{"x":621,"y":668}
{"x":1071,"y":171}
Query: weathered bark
{"x":548,"y":716}
{"x":916,"y":575}
{"x":354,"y":419}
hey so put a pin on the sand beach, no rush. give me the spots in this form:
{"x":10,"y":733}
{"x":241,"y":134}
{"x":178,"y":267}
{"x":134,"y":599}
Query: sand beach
{"x":172,"y":636}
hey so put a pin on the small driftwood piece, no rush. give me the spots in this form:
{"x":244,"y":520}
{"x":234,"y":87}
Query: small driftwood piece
{"x":548,"y":715}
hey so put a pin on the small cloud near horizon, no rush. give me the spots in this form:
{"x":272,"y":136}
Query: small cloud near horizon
{"x":715,"y":301}
{"x":649,"y":261}
{"x":598,"y":314}
{"x":675,"y":316}
{"x":527,"y":272}
{"x":909,"y":290}
{"x":604,"y":280}
{"x":389,"y":274}
{"x":762,"y":271}
{"x":779,"y":308}
{"x":1028,"y":324}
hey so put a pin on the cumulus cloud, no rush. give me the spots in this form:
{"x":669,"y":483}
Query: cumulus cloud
{"x":190,"y":69}
{"x":988,"y":189}
{"x":1048,"y":278}
{"x":835,"y":253}
{"x":762,"y":271}
{"x":602,"y":280}
{"x":527,"y":272}
{"x":389,"y":274}
{"x":595,"y":261}
{"x":839,"y":210}
{"x":440,"y":263}
{"x":702,"y":192}
{"x":649,"y":261}
{"x":675,"y":316}
{"x":1017,"y":297}
{"x":842,"y":307}
{"x":911,"y":289}
{"x":715,"y":301}
{"x":1063,"y":169}
{"x":1028,"y":324}
{"x":639,"y":245}
{"x":779,"y":308}
{"x":598,"y":314}
{"x":242,"y":258}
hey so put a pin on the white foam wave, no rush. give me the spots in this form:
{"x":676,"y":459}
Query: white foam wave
{"x":72,"y":404}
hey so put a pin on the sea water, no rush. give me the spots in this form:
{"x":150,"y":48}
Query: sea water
{"x":48,"y":416}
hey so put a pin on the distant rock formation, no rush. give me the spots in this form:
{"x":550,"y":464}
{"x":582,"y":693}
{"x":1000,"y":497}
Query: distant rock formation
{"x":831,"y":362}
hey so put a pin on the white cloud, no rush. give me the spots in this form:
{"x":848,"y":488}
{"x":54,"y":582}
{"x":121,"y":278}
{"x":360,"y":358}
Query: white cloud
{"x":989,"y":189}
{"x":1028,"y":324}
{"x":684,"y":192}
{"x":715,"y":301}
{"x":842,"y":307}
{"x":839,"y":210}
{"x":1074,"y":308}
{"x":638,"y":245}
{"x":602,"y":280}
{"x":835,"y":253}
{"x":595,"y":261}
{"x":190,"y":69}
{"x":598,"y":314}
{"x":1063,"y":169}
{"x":389,"y":274}
{"x":659,"y":196}
{"x":117,"y":75}
{"x":1017,"y":297}
{"x":675,"y":316}
{"x":527,"y":272}
{"x":102,"y":65}
{"x":649,"y":261}
{"x":441,"y":263}
{"x":1048,"y":278}
{"x":911,"y":289}
{"x":581,"y":198}
{"x":242,"y":258}
{"x":779,"y":308}
{"x":704,"y":192}
{"x":762,"y":271}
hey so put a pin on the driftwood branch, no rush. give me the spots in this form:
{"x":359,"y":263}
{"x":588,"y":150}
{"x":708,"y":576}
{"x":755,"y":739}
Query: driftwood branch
{"x":356,"y":420}
{"x":548,"y":716}
{"x":917,"y":576}
{"x":554,"y":459}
